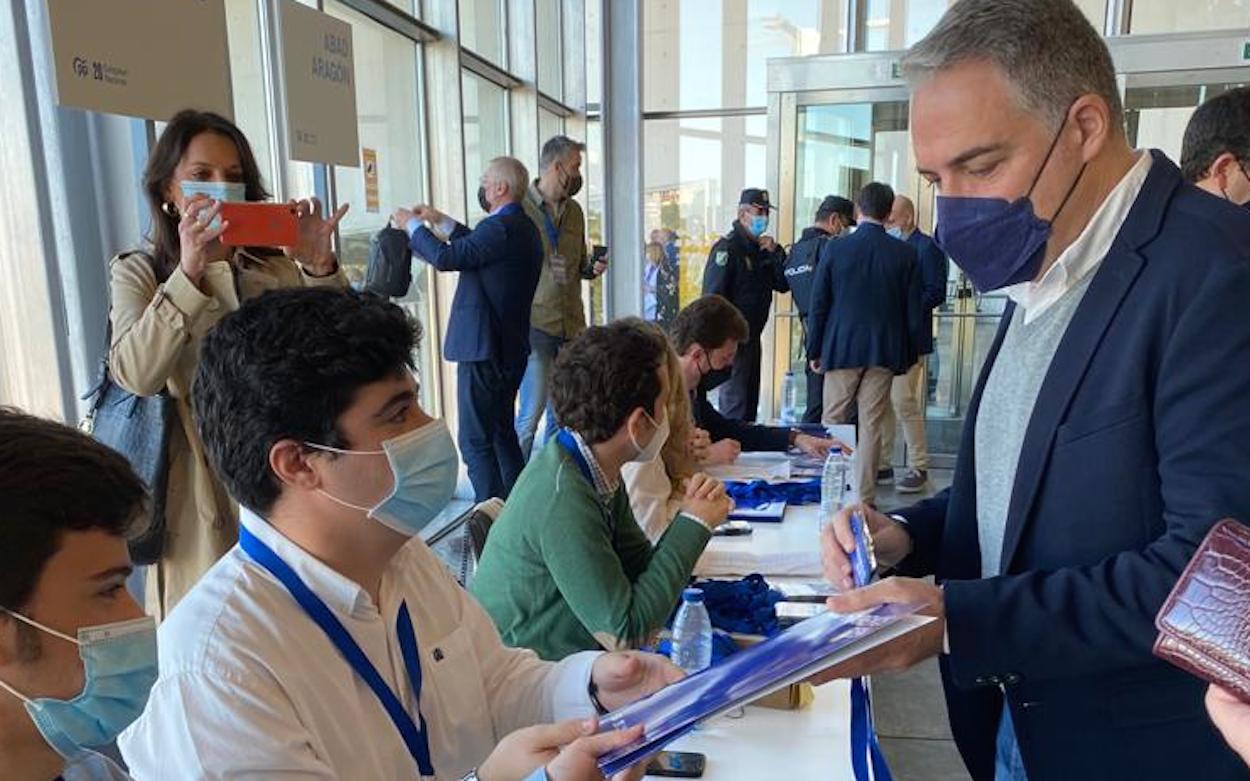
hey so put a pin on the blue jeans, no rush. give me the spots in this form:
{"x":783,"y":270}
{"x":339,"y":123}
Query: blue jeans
{"x":1008,"y":765}
{"x":536,"y":390}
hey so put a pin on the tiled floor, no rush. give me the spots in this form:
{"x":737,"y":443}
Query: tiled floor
{"x":909,"y":707}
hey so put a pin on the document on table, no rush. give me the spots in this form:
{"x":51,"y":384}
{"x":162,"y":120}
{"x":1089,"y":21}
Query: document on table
{"x":794,"y":655}
{"x":770,"y":467}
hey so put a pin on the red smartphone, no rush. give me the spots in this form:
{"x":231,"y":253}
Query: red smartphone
{"x":259,"y":224}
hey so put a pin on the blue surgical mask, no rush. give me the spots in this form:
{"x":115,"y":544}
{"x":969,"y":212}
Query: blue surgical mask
{"x":424,"y":465}
{"x":997,"y":243}
{"x":896,"y":232}
{"x":758,"y":224}
{"x":120,"y":668}
{"x":218,"y":191}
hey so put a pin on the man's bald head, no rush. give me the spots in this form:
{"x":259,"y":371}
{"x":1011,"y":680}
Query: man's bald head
{"x":903,"y":215}
{"x":506,"y":180}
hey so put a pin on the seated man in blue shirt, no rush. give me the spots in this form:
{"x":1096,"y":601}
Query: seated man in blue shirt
{"x":488,"y":336}
{"x":68,"y":502}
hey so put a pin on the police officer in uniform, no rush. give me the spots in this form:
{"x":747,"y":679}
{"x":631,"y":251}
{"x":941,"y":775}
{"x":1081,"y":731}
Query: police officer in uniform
{"x":745,"y":266}
{"x":834,"y":216}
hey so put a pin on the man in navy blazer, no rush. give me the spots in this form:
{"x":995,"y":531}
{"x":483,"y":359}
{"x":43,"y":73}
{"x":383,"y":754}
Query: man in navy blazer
{"x":865,"y":325}
{"x":488,"y":335}
{"x":1109,"y":428}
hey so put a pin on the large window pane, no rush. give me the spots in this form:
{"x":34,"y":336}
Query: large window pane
{"x":897,"y":24}
{"x":594,"y":54}
{"x":387,"y":101}
{"x":701,"y":54}
{"x":485,"y":132}
{"x":694,"y":172}
{"x":1172,"y":16}
{"x":550,"y":48}
{"x":594,"y":206}
{"x":482,"y":29}
{"x":251,"y":112}
{"x":549,"y":126}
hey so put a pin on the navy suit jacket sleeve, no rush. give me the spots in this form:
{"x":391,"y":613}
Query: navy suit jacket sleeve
{"x":467,"y":250}
{"x":918,"y":324}
{"x":753,"y":438}
{"x":925,"y":523}
{"x":934,"y":267}
{"x":1084,"y":620}
{"x":822,"y":299}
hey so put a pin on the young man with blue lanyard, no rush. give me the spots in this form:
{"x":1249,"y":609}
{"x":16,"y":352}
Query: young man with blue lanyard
{"x":331,"y":642}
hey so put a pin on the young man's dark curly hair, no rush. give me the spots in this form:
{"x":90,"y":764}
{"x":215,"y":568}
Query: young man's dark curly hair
{"x":287,"y":365}
{"x":604,"y":375}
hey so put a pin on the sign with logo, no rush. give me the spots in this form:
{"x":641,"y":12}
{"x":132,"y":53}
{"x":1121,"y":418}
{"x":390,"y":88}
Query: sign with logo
{"x":130,"y":56}
{"x":320,"y":86}
{"x":371,"y":180}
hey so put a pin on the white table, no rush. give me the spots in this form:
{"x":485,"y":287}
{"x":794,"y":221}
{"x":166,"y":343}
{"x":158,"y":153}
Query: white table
{"x":789,"y":549}
{"x":804,"y":745}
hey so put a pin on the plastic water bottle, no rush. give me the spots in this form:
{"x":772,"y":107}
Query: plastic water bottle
{"x":692,"y":633}
{"x":789,"y":400}
{"x":832,"y":485}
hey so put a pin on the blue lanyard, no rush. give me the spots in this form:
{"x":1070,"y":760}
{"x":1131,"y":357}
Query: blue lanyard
{"x":865,"y":748}
{"x":416,"y":738}
{"x":553,"y":233}
{"x":566,"y":440}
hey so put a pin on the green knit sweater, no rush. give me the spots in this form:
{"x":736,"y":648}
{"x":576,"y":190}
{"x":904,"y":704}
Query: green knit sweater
{"x":563,"y":572}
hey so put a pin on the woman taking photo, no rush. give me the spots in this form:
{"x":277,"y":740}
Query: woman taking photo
{"x":167,"y":296}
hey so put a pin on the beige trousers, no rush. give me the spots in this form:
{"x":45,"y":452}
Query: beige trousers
{"x":869,"y":389}
{"x":907,"y":402}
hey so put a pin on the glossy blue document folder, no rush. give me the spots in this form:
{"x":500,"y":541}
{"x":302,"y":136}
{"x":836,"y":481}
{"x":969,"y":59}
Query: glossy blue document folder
{"x":795,"y":654}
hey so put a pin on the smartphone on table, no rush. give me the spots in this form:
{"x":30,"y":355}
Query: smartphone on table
{"x":677,"y":764}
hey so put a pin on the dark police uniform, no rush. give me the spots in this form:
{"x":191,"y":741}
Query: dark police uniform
{"x":746,"y":275}
{"x":800,"y":270}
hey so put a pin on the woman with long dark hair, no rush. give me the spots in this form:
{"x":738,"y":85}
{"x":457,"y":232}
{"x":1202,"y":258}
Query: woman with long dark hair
{"x":168,"y":295}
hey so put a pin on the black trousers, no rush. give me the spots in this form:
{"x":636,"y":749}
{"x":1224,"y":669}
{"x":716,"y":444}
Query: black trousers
{"x":486,"y":395}
{"x":815,"y":396}
{"x":740,"y":395}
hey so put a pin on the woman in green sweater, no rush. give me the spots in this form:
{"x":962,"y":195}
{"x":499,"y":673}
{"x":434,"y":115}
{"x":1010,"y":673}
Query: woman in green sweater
{"x":566,"y":567}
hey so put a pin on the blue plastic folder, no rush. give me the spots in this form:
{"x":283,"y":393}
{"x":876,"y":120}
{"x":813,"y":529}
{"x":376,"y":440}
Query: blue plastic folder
{"x":795,"y":654}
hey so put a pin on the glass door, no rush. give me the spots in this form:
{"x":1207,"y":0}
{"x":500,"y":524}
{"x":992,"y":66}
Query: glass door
{"x":837,"y":122}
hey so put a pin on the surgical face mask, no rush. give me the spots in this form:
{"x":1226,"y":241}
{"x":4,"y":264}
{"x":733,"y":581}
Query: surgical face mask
{"x":652,"y":450}
{"x":896,"y":232}
{"x":424,"y":465}
{"x":481,"y":198}
{"x":120,"y":668}
{"x":1246,"y":176}
{"x":758,"y":224}
{"x":998,"y":243}
{"x":218,"y":191}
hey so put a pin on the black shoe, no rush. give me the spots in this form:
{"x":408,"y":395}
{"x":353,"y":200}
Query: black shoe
{"x":885,"y":476}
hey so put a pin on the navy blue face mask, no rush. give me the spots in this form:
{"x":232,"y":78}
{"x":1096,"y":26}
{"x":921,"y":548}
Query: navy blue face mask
{"x":997,"y":242}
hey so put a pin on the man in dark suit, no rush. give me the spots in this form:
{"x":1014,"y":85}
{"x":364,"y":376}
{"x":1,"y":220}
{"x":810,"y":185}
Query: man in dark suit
{"x":1216,"y":152}
{"x":488,"y":336}
{"x":910,"y":393}
{"x":864,"y":325}
{"x":706,"y":335}
{"x":1108,"y":430}
{"x":744,"y":266}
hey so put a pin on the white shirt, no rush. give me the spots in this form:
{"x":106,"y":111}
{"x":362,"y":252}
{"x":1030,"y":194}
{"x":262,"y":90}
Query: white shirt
{"x":251,"y":688}
{"x":1085,"y":254}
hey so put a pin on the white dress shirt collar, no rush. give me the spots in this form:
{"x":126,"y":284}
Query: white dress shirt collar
{"x":1084,"y":255}
{"x":342,"y":594}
